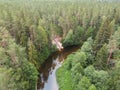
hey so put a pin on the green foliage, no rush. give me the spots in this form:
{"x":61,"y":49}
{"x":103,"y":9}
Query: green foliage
{"x":33,"y":24}
{"x":87,"y":48}
{"x":68,"y":63}
{"x":20,"y":73}
{"x":43,"y":54}
{"x":78,"y":35}
{"x":89,"y":71}
{"x":41,"y":36}
{"x":29,"y":69}
{"x":76,"y":79}
{"x":64,"y":76}
{"x":92,"y":87}
{"x":32,"y":54}
{"x":79,"y":57}
{"x":104,"y":33}
{"x":84,"y":84}
{"x":98,"y":78}
{"x":77,"y":68}
{"x":74,"y":37}
{"x":89,"y":32}
{"x":6,"y":82}
{"x":101,"y":58}
{"x":114,"y":44}
{"x":69,"y":38}
{"x":115,"y":76}
{"x":86,"y":77}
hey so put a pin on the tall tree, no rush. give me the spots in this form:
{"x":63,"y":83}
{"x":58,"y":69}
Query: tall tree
{"x":84,"y":84}
{"x":101,"y":58}
{"x":32,"y":54}
{"x":104,"y":33}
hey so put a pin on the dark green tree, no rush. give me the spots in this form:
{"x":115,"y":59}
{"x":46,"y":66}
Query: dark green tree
{"x":101,"y":58}
{"x":32,"y":54}
{"x":104,"y":33}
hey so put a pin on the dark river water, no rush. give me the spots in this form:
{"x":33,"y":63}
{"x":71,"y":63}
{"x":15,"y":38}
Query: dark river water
{"x":47,"y":77}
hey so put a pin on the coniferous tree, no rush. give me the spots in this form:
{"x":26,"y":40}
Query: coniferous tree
{"x":103,"y":34}
{"x":101,"y":58}
{"x":32,"y":54}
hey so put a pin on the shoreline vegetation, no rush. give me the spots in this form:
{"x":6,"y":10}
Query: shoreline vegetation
{"x":27,"y":28}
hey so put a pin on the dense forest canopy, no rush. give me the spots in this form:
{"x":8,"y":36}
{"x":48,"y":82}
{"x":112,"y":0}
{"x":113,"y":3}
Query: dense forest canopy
{"x":27,"y":28}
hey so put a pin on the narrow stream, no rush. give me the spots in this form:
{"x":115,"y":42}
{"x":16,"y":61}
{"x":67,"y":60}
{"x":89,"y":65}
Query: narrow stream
{"x":47,"y":78}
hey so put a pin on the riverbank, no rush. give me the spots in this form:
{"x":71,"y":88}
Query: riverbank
{"x":64,"y":78}
{"x":47,"y":77}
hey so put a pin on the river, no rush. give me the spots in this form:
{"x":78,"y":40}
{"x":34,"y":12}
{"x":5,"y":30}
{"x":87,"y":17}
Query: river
{"x":47,"y":77}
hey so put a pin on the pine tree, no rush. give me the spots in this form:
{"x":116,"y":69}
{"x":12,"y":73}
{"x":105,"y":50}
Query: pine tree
{"x":104,"y":33}
{"x":69,"y":38}
{"x":101,"y":58}
{"x":32,"y":54}
{"x":113,"y":46}
{"x":116,"y":76}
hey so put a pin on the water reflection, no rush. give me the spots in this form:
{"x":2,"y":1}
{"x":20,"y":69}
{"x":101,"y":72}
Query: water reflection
{"x":47,"y":80}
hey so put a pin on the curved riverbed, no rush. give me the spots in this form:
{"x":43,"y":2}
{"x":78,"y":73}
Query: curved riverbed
{"x":47,"y":77}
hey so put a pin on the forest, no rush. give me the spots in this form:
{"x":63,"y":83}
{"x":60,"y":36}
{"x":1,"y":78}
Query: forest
{"x":27,"y":28}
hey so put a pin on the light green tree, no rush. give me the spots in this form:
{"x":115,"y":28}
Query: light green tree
{"x":84,"y":84}
{"x":79,"y":57}
{"x":92,"y":87}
